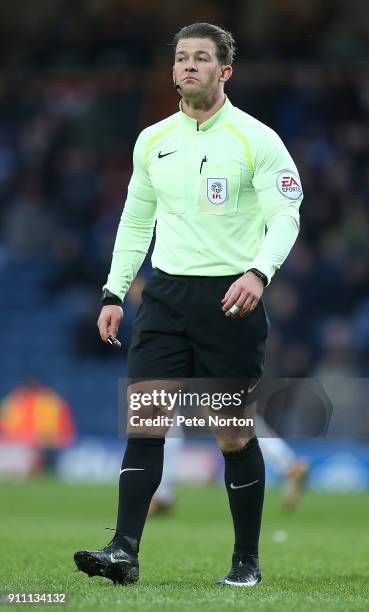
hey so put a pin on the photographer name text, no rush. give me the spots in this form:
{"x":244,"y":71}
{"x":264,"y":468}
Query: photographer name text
{"x":193,"y":421}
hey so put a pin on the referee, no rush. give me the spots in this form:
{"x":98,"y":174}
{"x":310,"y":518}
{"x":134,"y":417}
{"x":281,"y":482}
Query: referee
{"x":223,"y":195}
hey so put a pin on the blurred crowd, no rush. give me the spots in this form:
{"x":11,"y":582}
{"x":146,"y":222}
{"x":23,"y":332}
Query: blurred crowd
{"x":79,"y":81}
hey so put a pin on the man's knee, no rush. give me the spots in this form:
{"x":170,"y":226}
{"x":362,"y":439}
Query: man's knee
{"x":233,"y":444}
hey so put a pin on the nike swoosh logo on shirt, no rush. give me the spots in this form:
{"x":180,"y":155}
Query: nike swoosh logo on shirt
{"x":242,"y":486}
{"x":131,"y":470}
{"x":114,"y":560}
{"x":165,"y":154}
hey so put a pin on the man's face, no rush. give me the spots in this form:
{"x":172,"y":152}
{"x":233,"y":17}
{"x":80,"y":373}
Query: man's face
{"x":196,"y":68}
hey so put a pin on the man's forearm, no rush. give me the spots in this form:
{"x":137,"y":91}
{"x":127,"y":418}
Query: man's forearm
{"x":277,"y":244}
{"x":131,"y":245}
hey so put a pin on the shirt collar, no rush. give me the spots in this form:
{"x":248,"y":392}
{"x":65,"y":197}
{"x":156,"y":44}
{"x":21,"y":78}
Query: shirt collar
{"x":214,"y":122}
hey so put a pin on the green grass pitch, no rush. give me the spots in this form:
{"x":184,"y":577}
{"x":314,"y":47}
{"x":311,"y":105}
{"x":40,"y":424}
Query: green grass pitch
{"x":322,"y":565}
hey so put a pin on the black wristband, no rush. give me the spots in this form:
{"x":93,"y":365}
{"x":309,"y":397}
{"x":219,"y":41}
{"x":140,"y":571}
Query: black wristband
{"x":109,"y":299}
{"x":259,"y":275}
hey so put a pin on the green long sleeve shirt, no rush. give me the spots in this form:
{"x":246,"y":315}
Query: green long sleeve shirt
{"x":223,"y":197}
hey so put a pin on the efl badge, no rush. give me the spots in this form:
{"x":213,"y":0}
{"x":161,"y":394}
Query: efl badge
{"x":289,"y":185}
{"x":217,"y":190}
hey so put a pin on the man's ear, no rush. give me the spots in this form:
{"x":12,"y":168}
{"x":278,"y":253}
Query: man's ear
{"x":226,"y":73}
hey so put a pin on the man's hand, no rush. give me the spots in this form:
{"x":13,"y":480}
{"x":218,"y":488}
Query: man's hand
{"x":109,"y":321}
{"x":245,"y":293}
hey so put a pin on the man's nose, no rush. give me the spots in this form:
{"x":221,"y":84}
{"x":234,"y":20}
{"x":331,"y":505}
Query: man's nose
{"x":191,"y":66}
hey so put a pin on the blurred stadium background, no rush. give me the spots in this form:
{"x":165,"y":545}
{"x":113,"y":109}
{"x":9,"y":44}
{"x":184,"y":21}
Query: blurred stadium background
{"x":78,"y":81}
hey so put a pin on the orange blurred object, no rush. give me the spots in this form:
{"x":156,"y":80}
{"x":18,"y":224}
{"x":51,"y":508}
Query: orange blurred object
{"x":36,"y":416}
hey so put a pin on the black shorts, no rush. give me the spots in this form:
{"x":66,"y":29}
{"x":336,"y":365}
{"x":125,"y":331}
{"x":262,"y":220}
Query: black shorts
{"x":180,"y":331}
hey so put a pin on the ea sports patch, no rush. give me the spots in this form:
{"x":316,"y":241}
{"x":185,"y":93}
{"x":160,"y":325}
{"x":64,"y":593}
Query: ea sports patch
{"x":289,"y":185}
{"x":217,"y":190}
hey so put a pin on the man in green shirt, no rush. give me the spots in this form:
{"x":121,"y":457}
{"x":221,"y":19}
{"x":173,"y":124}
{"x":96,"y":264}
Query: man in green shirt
{"x":211,"y":179}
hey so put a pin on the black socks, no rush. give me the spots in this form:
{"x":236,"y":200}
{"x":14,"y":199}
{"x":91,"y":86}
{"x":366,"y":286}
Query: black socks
{"x":140,"y":476}
{"x":245,"y":482}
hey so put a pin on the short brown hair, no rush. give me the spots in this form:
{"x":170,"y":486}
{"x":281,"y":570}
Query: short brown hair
{"x":224,"y":41}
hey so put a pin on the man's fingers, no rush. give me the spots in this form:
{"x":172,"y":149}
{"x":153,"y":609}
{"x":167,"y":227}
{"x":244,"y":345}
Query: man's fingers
{"x":113,"y":328}
{"x":103,"y":325}
{"x":248,"y":307}
{"x":242,"y":306}
{"x":237,"y":307}
{"x":113,"y":332}
{"x":228,"y":293}
{"x":232,"y":299}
